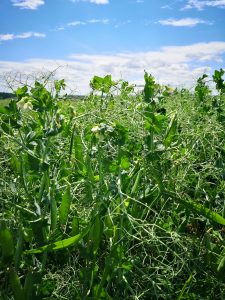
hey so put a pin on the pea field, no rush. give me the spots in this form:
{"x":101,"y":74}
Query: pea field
{"x":117,"y":195}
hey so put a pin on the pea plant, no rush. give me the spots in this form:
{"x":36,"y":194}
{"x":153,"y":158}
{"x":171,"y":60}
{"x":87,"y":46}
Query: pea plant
{"x":117,"y":195}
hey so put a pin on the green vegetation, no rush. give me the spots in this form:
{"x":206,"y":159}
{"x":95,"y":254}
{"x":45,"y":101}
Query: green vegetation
{"x":118,"y":195}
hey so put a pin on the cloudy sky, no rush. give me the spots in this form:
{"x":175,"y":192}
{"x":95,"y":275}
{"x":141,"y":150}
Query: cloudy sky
{"x":175,"y":40}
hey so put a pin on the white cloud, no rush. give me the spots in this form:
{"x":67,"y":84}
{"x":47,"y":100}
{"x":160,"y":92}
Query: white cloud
{"x":38,"y":34}
{"x":186,"y":22}
{"x":102,"y":21}
{"x":75,"y":23}
{"x":80,"y":23}
{"x":201,"y":4}
{"x":93,"y":1}
{"x":91,"y":21}
{"x":175,"y":65}
{"x":59,"y":28}
{"x":7,"y":37}
{"x":100,"y":1}
{"x":25,"y":35}
{"x":28,"y":4}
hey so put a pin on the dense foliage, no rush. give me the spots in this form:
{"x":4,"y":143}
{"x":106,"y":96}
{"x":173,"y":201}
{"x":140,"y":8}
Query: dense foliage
{"x":119,"y":195}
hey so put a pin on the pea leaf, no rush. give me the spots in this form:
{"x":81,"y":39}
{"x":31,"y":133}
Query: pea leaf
{"x":199,"y":208}
{"x":171,"y":131}
{"x":59,"y":245}
{"x":64,"y":208}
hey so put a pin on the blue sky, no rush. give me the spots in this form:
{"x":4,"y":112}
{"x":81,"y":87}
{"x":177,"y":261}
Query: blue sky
{"x":175,"y":40}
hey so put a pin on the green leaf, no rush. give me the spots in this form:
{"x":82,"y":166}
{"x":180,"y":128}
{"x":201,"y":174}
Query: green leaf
{"x":29,"y":285}
{"x":127,"y":265}
{"x":102,"y":84}
{"x":19,"y":248}
{"x":217,"y":78}
{"x":6,"y":242}
{"x":21,"y":92}
{"x":64,"y":208}
{"x":42,"y":97}
{"x":4,"y":110}
{"x":96,"y":83}
{"x":78,"y":151}
{"x":59,"y":84}
{"x":33,"y":162}
{"x":171,"y":131}
{"x":6,"y":128}
{"x":96,"y":233}
{"x":206,"y":212}
{"x":137,"y":182}
{"x":108,"y":224}
{"x":149,"y":88}
{"x":155,"y":122}
{"x":44,"y":185}
{"x":16,"y":286}
{"x":199,"y":208}
{"x":120,"y":133}
{"x":53,"y":213}
{"x":125,"y":164}
{"x":187,"y":283}
{"x":75,"y":226}
{"x":221,"y":266}
{"x":59,"y":245}
{"x":15,"y":163}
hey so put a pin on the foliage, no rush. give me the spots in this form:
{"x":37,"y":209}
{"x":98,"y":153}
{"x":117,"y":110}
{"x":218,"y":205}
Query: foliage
{"x":118,"y":195}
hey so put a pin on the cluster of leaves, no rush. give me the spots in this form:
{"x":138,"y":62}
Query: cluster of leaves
{"x":119,"y":195}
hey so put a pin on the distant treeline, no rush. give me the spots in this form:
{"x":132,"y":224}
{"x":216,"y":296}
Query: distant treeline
{"x":6,"y":95}
{"x":11,"y":95}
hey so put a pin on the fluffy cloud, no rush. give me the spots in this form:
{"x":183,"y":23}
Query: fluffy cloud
{"x":28,"y":4}
{"x":174,"y":65}
{"x":201,"y":4}
{"x":25,"y":35}
{"x":186,"y":22}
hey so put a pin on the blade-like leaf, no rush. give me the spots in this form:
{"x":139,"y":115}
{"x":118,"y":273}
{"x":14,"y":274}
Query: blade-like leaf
{"x":59,"y":245}
{"x":16,"y":286}
{"x":75,"y":226}
{"x":95,"y":233}
{"x":64,"y":208}
{"x":171,"y":131}
{"x":19,"y":248}
{"x":199,"y":208}
{"x":79,"y":155}
{"x":53,"y":213}
{"x":206,"y":212}
{"x":137,"y":182}
{"x":6,"y":241}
